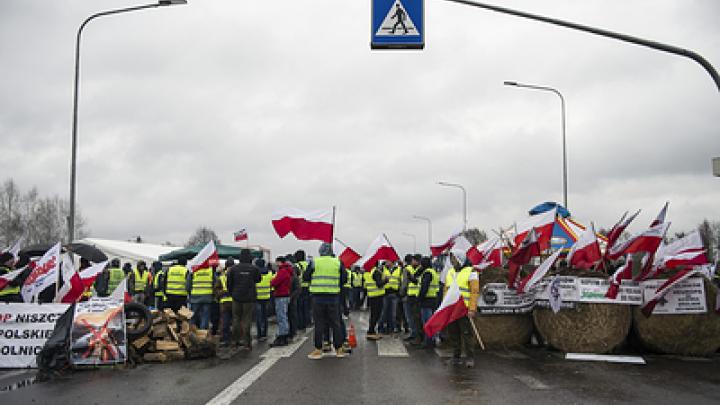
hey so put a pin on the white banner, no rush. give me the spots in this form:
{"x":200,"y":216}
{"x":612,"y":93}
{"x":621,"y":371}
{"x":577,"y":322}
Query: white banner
{"x":687,"y":297}
{"x":593,"y":290}
{"x":498,"y":298}
{"x":24,"y":328}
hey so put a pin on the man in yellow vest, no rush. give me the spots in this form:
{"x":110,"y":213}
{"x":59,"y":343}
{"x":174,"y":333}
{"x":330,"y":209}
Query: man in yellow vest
{"x":460,"y":331}
{"x":356,"y":297}
{"x":223,"y":296}
{"x":175,"y":286}
{"x":200,"y":285}
{"x":11,"y":293}
{"x":139,"y":282}
{"x":412,"y":305}
{"x":158,"y":277}
{"x":427,"y":296}
{"x":392,"y":273}
{"x":112,"y":277}
{"x":374,"y":282}
{"x":263,"y":300}
{"x":305,"y":299}
{"x":326,"y":275}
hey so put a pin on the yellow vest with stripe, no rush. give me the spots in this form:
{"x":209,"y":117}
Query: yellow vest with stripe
{"x":348,"y":281}
{"x":226,"y":295}
{"x":434,"y":287}
{"x":393,"y":279}
{"x":8,"y":290}
{"x":463,"y":279}
{"x":140,"y":280}
{"x":371,"y":286}
{"x":326,"y":276}
{"x":202,"y":282}
{"x":356,"y":280}
{"x":116,"y":276}
{"x":413,"y":288}
{"x":175,"y":279}
{"x":156,"y":285}
{"x":303,"y":265}
{"x":263,"y":287}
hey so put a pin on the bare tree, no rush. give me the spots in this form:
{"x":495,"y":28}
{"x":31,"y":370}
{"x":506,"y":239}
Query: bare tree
{"x":709,"y":238}
{"x":475,"y":236}
{"x":202,"y":236}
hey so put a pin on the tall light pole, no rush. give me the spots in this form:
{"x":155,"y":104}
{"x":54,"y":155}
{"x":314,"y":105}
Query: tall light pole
{"x":71,"y":216}
{"x":562,"y":110}
{"x":414,"y":238}
{"x":429,"y":222}
{"x":465,"y":221}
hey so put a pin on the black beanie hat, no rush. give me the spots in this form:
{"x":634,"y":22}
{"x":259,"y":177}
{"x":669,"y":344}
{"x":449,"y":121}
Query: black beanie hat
{"x":246,"y":256}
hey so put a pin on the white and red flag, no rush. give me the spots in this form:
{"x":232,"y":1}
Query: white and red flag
{"x":15,"y":248}
{"x":692,"y":242}
{"x":305,"y":225}
{"x":78,"y":282}
{"x":528,"y":282}
{"x":624,"y":272}
{"x":437,"y":250}
{"x":44,"y":274}
{"x":647,"y":241}
{"x":526,"y":250}
{"x":347,"y":255}
{"x":617,"y":230}
{"x":8,"y":278}
{"x":206,"y":257}
{"x":240,"y":235}
{"x":586,"y":251}
{"x":121,"y":292}
{"x":379,"y":249}
{"x":648,"y":308}
{"x":661,"y":216}
{"x":68,"y":275}
{"x":684,"y":259}
{"x":491,"y":251}
{"x":473,"y":254}
{"x":451,"y":309}
{"x":543,"y":225}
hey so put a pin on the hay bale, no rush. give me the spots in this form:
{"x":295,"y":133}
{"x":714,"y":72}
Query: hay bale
{"x":502,"y":331}
{"x":685,"y":334}
{"x":589,"y":328}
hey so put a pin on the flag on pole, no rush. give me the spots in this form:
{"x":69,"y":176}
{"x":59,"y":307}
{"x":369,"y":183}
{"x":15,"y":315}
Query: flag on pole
{"x":526,"y":250}
{"x":305,"y":225}
{"x":647,"y":241}
{"x":617,"y":230}
{"x":121,"y":292}
{"x":661,"y":216}
{"x":586,"y":251}
{"x":69,"y":276}
{"x":207,"y":257}
{"x":622,"y":273}
{"x":492,"y":251}
{"x":78,"y":282}
{"x":685,"y":259}
{"x":648,"y":308}
{"x":348,"y":256}
{"x":473,"y":254}
{"x":451,"y":309}
{"x":437,"y":250}
{"x":8,"y":278}
{"x":379,"y":249}
{"x":543,"y":225}
{"x":15,"y":248}
{"x":44,"y":274}
{"x":240,"y":235}
{"x":527,"y":283}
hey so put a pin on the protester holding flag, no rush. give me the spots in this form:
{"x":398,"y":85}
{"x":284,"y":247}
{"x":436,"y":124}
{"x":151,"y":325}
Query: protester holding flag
{"x":11,"y":292}
{"x":460,"y":331}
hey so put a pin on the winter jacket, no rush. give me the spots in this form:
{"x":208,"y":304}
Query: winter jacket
{"x":241,"y":280}
{"x":282,"y":282}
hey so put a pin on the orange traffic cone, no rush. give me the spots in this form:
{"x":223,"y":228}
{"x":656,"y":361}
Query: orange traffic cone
{"x":352,"y":340}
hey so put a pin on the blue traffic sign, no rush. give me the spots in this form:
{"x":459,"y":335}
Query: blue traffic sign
{"x":397,"y":24}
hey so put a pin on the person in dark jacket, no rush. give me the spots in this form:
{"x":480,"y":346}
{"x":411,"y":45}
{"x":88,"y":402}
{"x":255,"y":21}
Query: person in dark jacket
{"x":295,"y":291}
{"x":241,"y":280}
{"x":282,"y":283}
{"x":326,"y":276}
{"x":427,"y":296}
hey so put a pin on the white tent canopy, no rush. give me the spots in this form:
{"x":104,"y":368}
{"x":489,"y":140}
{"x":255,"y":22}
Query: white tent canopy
{"x":129,"y":251}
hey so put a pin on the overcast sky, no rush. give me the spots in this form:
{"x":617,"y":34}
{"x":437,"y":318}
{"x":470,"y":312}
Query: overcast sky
{"x":218,"y":112}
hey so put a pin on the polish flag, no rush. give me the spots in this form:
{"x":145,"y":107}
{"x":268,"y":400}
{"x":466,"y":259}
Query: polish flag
{"x":661,"y":216}
{"x":648,"y":308}
{"x":121,"y":293}
{"x":647,"y":241}
{"x":451,"y":309}
{"x":44,"y":274}
{"x":7,"y":278}
{"x":543,"y":225}
{"x":648,"y":267}
{"x":348,"y":257}
{"x":526,"y":250}
{"x":617,"y":230}
{"x":439,"y":249}
{"x":492,"y":253}
{"x":472,"y":253}
{"x":15,"y":248}
{"x":240,"y":235}
{"x":685,"y":259}
{"x":379,"y":249}
{"x":586,"y":251}
{"x":692,"y":242}
{"x":71,"y":280}
{"x":207,"y":257}
{"x":305,"y":225}
{"x":622,"y":273}
{"x":527,"y":283}
{"x":79,"y":282}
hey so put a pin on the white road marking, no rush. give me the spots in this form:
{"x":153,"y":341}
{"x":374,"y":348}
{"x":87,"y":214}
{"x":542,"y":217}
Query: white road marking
{"x":269,"y":358}
{"x":532,"y":382}
{"x":605,"y":357}
{"x":388,"y":347}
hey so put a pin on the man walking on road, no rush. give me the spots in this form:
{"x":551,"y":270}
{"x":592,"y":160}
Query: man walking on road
{"x":326,"y":275}
{"x":241,"y":280}
{"x":460,"y":331}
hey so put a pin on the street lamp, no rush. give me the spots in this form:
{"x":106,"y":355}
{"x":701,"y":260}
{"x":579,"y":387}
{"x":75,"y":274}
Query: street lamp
{"x":562,"y":107}
{"x":71,"y":216}
{"x":414,"y":238}
{"x":716,"y":166}
{"x":465,"y":221}
{"x":429,"y":228}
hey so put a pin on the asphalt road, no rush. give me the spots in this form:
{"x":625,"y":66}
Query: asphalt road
{"x":378,"y":373}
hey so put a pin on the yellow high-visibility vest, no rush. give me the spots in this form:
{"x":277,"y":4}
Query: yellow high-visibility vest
{"x":8,"y":290}
{"x":263,"y":287}
{"x":434,"y":287}
{"x":463,"y":280}
{"x":413,"y":288}
{"x":393,"y":279}
{"x":140,"y":280}
{"x":326,"y":276}
{"x":116,"y":276}
{"x":226,"y":295}
{"x":371,"y":286}
{"x":303,"y":265}
{"x":202,"y":282}
{"x":176,"y":280}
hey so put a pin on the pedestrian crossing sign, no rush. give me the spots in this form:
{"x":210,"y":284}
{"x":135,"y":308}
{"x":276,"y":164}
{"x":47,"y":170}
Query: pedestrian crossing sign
{"x":397,"y":24}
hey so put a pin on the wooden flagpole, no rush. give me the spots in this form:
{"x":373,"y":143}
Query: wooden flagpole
{"x":477,"y":334}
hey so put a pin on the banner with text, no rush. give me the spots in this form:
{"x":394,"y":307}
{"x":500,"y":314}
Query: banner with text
{"x":688,"y":297}
{"x":24,"y":328}
{"x":498,"y":298}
